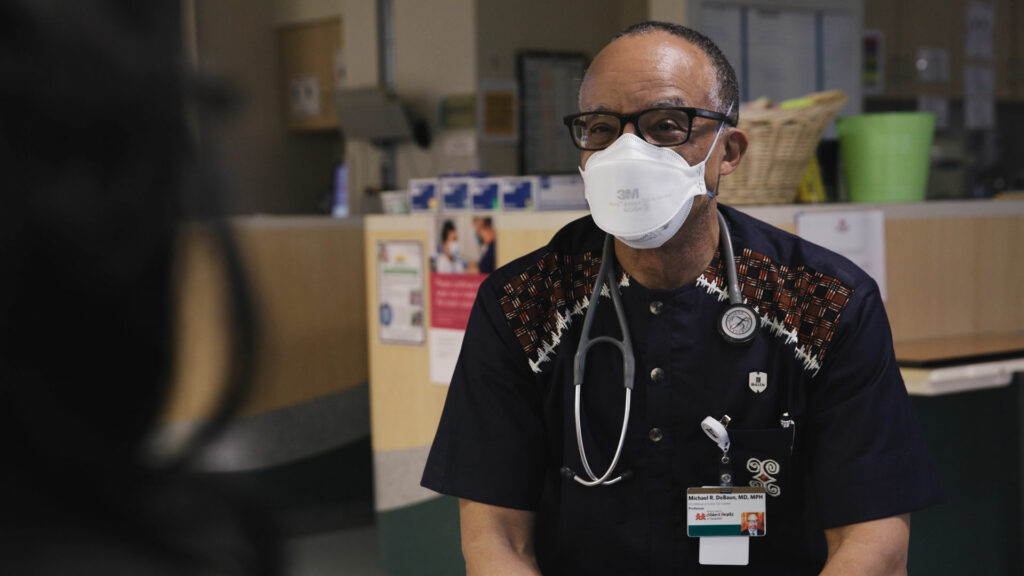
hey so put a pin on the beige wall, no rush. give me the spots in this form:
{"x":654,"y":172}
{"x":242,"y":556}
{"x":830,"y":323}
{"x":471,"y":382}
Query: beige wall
{"x":442,"y":48}
{"x":292,"y":11}
{"x":264,"y":168}
{"x":676,"y":11}
{"x":435,"y":56}
{"x":359,"y":29}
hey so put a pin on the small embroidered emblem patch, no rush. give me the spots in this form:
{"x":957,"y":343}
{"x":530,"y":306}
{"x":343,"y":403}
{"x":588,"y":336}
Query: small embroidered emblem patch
{"x":758,"y":381}
{"x":763,"y":471}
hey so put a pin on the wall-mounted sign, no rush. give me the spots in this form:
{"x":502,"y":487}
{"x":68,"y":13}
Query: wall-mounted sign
{"x":857,"y":235}
{"x":400,"y":307}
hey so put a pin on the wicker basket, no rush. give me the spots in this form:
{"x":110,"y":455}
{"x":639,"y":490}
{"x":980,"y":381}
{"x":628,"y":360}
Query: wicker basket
{"x":781,"y":144}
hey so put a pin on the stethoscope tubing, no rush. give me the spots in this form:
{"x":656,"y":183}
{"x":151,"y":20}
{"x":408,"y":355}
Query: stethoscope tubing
{"x":725,"y":239}
{"x":606,"y":276}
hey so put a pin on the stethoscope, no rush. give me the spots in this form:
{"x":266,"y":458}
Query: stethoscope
{"x":737,"y":324}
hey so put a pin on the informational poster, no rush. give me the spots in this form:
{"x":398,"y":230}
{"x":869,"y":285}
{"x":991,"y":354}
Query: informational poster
{"x":724,"y":25}
{"x":859,"y":236}
{"x":932,"y":65}
{"x":784,"y":64}
{"x":840,"y":61}
{"x":980,"y":31}
{"x":979,"y":97}
{"x":496,"y":109}
{"x":549,"y":83}
{"x":783,"y":53}
{"x":400,"y":284}
{"x":451,"y":300}
{"x":979,"y":112}
{"x":465,"y":243}
{"x":462,"y":258}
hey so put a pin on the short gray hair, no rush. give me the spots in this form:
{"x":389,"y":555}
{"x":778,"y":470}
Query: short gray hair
{"x":726,"y":91}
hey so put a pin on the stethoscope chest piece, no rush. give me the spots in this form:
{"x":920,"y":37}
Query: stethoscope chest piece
{"x":738,"y":324}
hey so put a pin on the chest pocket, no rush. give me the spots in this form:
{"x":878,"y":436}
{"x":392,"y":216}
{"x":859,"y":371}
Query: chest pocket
{"x":768,"y":458}
{"x":764,"y":459}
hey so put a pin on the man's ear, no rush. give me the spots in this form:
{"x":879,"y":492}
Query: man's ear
{"x":735,"y":147}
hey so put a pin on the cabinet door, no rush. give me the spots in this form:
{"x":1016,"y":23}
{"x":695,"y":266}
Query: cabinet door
{"x":307,"y":55}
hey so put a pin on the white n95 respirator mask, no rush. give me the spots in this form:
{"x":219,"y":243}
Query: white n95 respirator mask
{"x":641,"y":193}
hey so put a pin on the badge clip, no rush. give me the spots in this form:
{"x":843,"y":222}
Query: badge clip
{"x":716,"y":430}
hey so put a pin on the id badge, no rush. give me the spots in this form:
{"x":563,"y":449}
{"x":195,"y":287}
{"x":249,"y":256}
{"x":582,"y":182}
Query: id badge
{"x":725,"y":518}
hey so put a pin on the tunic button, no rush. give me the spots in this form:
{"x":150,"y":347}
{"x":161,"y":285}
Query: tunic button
{"x":657,"y":375}
{"x":655,"y":435}
{"x":657,"y":307}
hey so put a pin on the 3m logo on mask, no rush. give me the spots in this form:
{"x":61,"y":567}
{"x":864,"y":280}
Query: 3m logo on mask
{"x":613,"y":180}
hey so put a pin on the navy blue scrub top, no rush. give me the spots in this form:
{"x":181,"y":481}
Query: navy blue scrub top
{"x":824,"y":349}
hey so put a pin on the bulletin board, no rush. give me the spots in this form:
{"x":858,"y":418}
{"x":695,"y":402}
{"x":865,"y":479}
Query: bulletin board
{"x":548,"y":90}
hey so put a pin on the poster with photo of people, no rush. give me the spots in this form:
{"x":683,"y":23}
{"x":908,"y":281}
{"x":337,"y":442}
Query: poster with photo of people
{"x":461,"y":259}
{"x":465,"y":244}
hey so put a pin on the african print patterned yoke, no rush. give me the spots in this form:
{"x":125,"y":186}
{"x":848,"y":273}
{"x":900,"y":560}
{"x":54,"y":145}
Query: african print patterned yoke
{"x":796,"y":304}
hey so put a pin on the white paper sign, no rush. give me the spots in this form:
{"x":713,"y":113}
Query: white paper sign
{"x":783,"y":64}
{"x":980,"y":27}
{"x":841,"y":52}
{"x":979,"y":80}
{"x":979,"y":112}
{"x":724,"y":25}
{"x":400,"y":307}
{"x":936,"y":105}
{"x":445,"y":345}
{"x":859,"y":236}
{"x":304,"y":96}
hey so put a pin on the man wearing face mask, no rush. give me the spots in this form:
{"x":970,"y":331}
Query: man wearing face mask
{"x":557,"y":474}
{"x":449,"y":260}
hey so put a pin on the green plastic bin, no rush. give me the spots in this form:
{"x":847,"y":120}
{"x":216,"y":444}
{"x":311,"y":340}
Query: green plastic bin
{"x":886,"y":156}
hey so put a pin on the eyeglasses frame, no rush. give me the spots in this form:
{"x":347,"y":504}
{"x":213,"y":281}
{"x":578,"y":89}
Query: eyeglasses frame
{"x":633,"y":119}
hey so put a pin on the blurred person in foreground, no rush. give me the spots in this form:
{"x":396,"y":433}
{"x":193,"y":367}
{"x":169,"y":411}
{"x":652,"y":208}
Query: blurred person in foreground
{"x":97,"y":154}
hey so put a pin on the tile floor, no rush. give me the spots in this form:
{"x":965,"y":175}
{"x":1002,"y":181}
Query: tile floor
{"x":349,"y":552}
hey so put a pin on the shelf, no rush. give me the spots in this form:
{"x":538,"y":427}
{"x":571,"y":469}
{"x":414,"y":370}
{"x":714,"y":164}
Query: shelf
{"x":947,"y":365}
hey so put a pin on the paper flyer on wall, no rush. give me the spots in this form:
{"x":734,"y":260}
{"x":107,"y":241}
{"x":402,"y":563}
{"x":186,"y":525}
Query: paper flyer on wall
{"x":400,"y":306}
{"x":857,"y":235}
{"x":459,"y":262}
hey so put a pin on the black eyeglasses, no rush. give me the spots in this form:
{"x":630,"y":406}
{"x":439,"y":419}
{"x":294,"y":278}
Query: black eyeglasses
{"x":659,"y":126}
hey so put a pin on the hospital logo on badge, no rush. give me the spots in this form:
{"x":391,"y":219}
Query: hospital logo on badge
{"x":758,"y":381}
